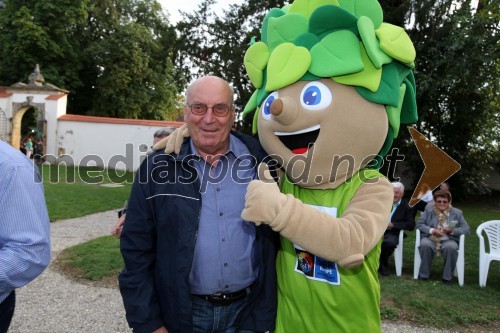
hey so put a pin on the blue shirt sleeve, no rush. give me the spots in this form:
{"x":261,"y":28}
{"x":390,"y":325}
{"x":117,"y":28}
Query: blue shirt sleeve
{"x":24,"y":225}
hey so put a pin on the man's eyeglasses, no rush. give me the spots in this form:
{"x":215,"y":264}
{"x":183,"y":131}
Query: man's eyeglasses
{"x":442,"y":201}
{"x":219,"y":110}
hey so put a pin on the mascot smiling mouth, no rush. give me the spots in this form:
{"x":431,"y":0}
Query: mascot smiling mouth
{"x":299,"y":142}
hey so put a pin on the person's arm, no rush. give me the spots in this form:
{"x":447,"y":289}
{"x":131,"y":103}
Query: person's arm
{"x":346,"y":239}
{"x":405,"y":220}
{"x":24,"y":227}
{"x":118,"y":227}
{"x":138,"y":248}
{"x":462,"y":227}
{"x":425,"y":220}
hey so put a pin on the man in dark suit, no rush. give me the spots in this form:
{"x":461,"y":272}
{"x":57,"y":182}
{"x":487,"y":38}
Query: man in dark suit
{"x":402,"y":218}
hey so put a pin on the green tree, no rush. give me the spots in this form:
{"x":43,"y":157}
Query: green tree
{"x":40,"y":32}
{"x":114,"y":56}
{"x":457,"y":84}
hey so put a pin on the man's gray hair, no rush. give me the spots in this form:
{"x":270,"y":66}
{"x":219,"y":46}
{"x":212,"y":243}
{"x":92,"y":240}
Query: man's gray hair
{"x":163,"y":132}
{"x":398,"y":185}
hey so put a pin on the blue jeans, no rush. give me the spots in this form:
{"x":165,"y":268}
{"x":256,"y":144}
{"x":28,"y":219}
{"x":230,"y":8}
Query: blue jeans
{"x":209,"y":318}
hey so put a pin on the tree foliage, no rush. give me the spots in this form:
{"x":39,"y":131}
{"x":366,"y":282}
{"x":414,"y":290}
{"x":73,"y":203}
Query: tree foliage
{"x":114,"y":56}
{"x":456,"y":72}
{"x":457,"y":84}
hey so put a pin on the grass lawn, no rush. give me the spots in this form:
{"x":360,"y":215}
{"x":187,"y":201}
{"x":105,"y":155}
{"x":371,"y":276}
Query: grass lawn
{"x":427,"y":303}
{"x":446,"y":306}
{"x":77,"y":191}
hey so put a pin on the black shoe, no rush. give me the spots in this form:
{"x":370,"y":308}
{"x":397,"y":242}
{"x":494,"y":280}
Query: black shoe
{"x":384,"y":269}
{"x":423,"y":279}
{"x":447,"y":282}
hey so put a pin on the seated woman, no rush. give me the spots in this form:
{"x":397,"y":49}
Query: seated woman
{"x":441,"y":226}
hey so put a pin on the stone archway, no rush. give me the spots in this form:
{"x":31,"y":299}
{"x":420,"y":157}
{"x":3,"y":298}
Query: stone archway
{"x":19,"y":109}
{"x":49,"y":101}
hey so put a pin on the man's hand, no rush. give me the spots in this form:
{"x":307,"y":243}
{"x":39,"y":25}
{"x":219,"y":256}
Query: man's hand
{"x":161,"y":330}
{"x":263,"y":201}
{"x":117,"y":229}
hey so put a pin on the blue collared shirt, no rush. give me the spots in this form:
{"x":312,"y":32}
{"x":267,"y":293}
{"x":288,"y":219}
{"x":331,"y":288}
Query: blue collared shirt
{"x":224,"y":259}
{"x":24,"y":221}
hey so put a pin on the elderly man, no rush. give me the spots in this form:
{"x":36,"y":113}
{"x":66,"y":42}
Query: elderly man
{"x":191,"y":263}
{"x":402,"y":218}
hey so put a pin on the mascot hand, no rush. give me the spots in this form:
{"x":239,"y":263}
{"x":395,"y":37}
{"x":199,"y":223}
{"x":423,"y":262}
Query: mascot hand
{"x":173,"y":142}
{"x":263,"y":201}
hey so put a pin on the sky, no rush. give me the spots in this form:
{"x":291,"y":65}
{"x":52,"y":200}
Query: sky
{"x":173,"y":6}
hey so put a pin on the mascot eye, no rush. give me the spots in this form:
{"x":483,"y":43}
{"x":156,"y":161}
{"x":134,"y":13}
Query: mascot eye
{"x":266,"y":106}
{"x":315,"y":96}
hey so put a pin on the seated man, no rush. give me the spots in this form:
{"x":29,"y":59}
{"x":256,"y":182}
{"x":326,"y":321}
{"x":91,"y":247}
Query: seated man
{"x":402,"y":218}
{"x":441,"y":226}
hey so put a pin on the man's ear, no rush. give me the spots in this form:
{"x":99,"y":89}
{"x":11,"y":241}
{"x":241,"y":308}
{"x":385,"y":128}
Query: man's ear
{"x":184,"y":110}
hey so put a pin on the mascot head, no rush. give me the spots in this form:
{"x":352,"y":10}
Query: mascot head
{"x":333,"y":84}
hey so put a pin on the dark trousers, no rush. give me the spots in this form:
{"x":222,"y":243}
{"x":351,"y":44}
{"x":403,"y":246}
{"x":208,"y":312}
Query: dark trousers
{"x":7,"y":311}
{"x":389,"y":243}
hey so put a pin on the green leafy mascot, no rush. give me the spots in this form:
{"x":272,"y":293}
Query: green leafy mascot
{"x":333,"y":84}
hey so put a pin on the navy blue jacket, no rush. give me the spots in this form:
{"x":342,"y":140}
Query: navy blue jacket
{"x":158,"y":241}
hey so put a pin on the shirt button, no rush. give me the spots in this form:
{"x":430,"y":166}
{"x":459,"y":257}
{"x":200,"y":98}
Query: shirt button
{"x":218,"y":189}
{"x":221,"y":213}
{"x":223,"y":239}
{"x":226,"y":286}
{"x":226,"y":264}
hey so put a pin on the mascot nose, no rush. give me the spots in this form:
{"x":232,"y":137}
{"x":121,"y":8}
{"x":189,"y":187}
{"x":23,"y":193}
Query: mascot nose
{"x":284,"y":110}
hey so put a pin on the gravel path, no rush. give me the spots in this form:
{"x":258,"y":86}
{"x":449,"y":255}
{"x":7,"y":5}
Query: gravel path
{"x":53,"y":303}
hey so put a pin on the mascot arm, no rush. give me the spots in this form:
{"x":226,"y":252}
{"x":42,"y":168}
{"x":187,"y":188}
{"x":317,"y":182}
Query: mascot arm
{"x":173,"y":142}
{"x":345,"y":240}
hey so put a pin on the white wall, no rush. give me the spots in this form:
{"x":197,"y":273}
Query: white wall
{"x":112,"y":145}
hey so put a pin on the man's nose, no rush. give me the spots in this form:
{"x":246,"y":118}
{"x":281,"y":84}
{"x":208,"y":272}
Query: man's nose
{"x":209,"y":116}
{"x":284,"y":110}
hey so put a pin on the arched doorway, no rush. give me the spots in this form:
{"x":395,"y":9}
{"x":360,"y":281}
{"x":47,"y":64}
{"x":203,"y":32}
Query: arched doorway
{"x":49,"y":102}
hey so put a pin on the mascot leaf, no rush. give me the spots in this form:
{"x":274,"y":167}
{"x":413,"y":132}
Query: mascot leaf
{"x":285,"y":29}
{"x":409,"y":114}
{"x":275,"y":12}
{"x":395,"y":42}
{"x":367,"y":33}
{"x":255,"y":61}
{"x":337,"y":54}
{"x":388,"y":92}
{"x":307,"y":40}
{"x":368,"y":8}
{"x":321,"y":23}
{"x":287,"y":64}
{"x":307,"y":7}
{"x":251,"y":105}
{"x":394,"y":114}
{"x":369,"y":77}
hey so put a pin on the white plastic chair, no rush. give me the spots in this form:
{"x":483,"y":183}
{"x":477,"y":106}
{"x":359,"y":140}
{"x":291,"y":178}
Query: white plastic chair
{"x":459,"y":267}
{"x":398,"y":254}
{"x":492,"y":231}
